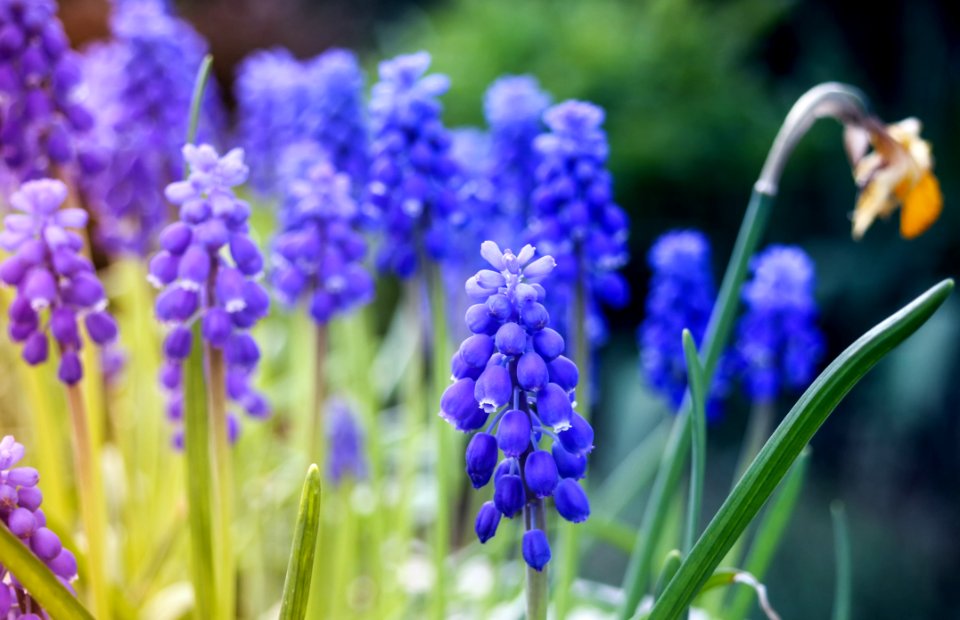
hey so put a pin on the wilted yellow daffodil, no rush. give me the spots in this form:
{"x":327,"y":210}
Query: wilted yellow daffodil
{"x":897,"y":173}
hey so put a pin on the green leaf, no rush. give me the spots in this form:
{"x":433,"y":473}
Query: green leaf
{"x":841,"y":540}
{"x":698,"y":438}
{"x":296,"y":586}
{"x":785,"y":445}
{"x":769,"y":532}
{"x":38,"y":580}
{"x":670,"y":565}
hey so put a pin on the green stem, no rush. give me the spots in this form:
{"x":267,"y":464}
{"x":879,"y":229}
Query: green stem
{"x":698,"y":426}
{"x":91,"y":499}
{"x":321,"y":349}
{"x":537,"y":592}
{"x":216,"y":392}
{"x":841,"y":538}
{"x":758,"y":430}
{"x":445,"y":495}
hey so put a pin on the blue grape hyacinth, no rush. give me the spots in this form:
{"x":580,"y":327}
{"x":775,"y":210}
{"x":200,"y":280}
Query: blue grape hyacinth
{"x":140,"y":84}
{"x":208,"y":268}
{"x":512,"y":367}
{"x":575,"y":217}
{"x":411,"y":171}
{"x":20,"y":512}
{"x":778,"y":341}
{"x":56,"y":286}
{"x":42,"y":116}
{"x":319,"y":251}
{"x":346,"y":455}
{"x":681,"y":295}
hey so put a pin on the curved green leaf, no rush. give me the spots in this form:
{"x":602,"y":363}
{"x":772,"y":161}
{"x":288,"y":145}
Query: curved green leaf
{"x":785,"y":445}
{"x":698,"y":437}
{"x":39,"y":580}
{"x":296,"y":586}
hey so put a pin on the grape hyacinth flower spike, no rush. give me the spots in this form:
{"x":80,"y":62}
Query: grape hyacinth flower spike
{"x":779,"y":343}
{"x":56,"y":287}
{"x":346,"y":456}
{"x":20,"y":512}
{"x":207,"y":268}
{"x":512,"y":367}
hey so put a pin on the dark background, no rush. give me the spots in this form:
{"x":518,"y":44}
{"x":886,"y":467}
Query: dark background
{"x":695,"y":92}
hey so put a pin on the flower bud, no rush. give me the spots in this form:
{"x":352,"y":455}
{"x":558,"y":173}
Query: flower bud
{"x":508,"y":494}
{"x":45,"y":544}
{"x":571,"y":501}
{"x":536,"y":549}
{"x":493,"y":388}
{"x":548,"y":343}
{"x":577,"y":439}
{"x":553,"y":407}
{"x":476,"y":350}
{"x":564,"y":373}
{"x":540,"y":473}
{"x":488,"y":518}
{"x":513,"y":433}
{"x":534,"y":316}
{"x":70,"y":371}
{"x":177,"y":343}
{"x":569,"y":464}
{"x":478,"y":318}
{"x":481,"y":457}
{"x":101,"y":327}
{"x":532,"y":373}
{"x":511,"y":339}
{"x":458,"y":405}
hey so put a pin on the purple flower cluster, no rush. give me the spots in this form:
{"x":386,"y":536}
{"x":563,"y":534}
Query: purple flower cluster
{"x":575,"y":218}
{"x":681,"y":295}
{"x":346,"y":455}
{"x":779,"y":343}
{"x":140,"y":87}
{"x":20,"y":512}
{"x":41,"y":115}
{"x":411,"y":183}
{"x":283,"y":101}
{"x":319,"y":252}
{"x":56,"y":286}
{"x":513,"y":367}
{"x":202,"y":282}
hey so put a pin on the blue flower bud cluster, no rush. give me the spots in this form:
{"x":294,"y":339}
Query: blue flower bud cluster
{"x":346,"y":456}
{"x":575,"y":218}
{"x":20,"y":512}
{"x":512,"y":367}
{"x":779,"y":343}
{"x":55,"y":285}
{"x":412,"y":172}
{"x":283,"y":101}
{"x":207,"y":268}
{"x":681,"y":296}
{"x":318,"y":252}
{"x":41,"y":115}
{"x":140,"y":85}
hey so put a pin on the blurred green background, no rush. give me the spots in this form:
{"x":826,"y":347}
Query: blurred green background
{"x":695,"y":91}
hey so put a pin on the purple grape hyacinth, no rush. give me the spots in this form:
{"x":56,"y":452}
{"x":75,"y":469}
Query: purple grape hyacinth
{"x":41,"y":114}
{"x":56,"y":286}
{"x":20,"y":512}
{"x":318,"y":252}
{"x":681,"y":295}
{"x":346,"y":454}
{"x":779,"y":343}
{"x":207,"y":268}
{"x":575,"y":217}
{"x":412,"y":172}
{"x":513,"y":368}
{"x":284,"y":102}
{"x":140,"y":84}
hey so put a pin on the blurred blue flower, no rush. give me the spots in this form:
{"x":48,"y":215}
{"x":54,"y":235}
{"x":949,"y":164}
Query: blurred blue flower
{"x":513,"y":368}
{"x":140,"y":88}
{"x":778,"y":341}
{"x":346,"y":453}
{"x":412,"y":173}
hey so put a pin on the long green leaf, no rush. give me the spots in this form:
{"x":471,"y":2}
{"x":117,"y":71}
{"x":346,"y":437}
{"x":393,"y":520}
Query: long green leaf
{"x":769,"y":532}
{"x":785,"y":445}
{"x":296,"y":587}
{"x":39,"y":580}
{"x":841,"y":541}
{"x":698,"y":437}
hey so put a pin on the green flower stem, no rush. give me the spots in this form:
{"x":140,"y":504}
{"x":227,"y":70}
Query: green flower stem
{"x":47,"y":437}
{"x":786,"y":444}
{"x":758,"y":430}
{"x":446,"y":488}
{"x":698,"y":426}
{"x":538,"y":597}
{"x":841,"y":541}
{"x":321,"y":350}
{"x":226,"y":561}
{"x":39,"y":580}
{"x":91,"y":499}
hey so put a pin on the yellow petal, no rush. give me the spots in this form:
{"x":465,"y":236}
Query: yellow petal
{"x":921,"y":207}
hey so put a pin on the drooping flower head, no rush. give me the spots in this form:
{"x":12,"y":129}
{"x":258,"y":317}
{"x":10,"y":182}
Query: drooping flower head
{"x":897,"y":173}
{"x":513,"y":106}
{"x":284,"y":102}
{"x":318,"y":253}
{"x":41,"y":115}
{"x":575,"y":218}
{"x":207,"y":268}
{"x":513,"y":368}
{"x":56,"y":286}
{"x":346,"y":452}
{"x":140,"y":88}
{"x":411,"y":169}
{"x":20,"y":512}
{"x":681,"y":296}
{"x":779,"y":343}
